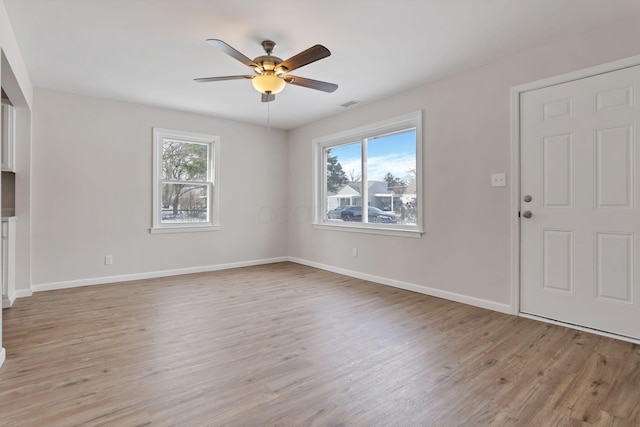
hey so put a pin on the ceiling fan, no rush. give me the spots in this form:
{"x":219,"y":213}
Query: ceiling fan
{"x":271,"y":72}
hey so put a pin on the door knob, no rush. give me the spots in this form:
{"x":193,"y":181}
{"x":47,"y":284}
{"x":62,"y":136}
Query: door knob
{"x":527,"y":198}
{"x":527,"y":214}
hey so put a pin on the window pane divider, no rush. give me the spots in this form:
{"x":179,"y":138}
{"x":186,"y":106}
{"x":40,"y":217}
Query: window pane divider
{"x":365,"y":180}
{"x":164,"y":181}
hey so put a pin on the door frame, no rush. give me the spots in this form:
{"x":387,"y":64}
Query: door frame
{"x":516,"y":92}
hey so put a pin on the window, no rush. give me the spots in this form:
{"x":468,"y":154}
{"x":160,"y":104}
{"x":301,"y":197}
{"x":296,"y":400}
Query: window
{"x":185,"y":188}
{"x":377,"y":167}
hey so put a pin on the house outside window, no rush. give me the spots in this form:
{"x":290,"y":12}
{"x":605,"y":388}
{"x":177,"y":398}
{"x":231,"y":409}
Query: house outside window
{"x":185,"y":184}
{"x":378,"y":167}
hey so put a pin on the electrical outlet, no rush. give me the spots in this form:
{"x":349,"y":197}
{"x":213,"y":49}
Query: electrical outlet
{"x":108,"y":259}
{"x":354,"y":252}
{"x":498,"y":179}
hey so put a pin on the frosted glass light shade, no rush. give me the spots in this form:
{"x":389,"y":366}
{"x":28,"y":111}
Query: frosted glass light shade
{"x":268,"y":83}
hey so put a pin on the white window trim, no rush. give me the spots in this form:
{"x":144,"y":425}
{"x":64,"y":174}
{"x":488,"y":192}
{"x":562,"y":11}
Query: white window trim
{"x":159,"y":135}
{"x":395,"y":124}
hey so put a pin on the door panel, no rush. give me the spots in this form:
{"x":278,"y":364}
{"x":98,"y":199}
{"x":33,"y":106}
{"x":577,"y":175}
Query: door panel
{"x":614,"y":267}
{"x":557,"y":171}
{"x":579,"y":151}
{"x":614,"y":167}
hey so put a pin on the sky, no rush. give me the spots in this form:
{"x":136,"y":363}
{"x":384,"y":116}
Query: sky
{"x":394,"y":153}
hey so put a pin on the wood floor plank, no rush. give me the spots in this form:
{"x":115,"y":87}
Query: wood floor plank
{"x":289,"y":345}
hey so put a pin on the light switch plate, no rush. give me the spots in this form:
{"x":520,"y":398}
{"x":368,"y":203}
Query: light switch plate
{"x":498,"y":179}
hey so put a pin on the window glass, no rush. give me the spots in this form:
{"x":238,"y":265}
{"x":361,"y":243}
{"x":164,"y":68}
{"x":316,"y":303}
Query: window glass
{"x":184,"y":161}
{"x":184,"y":203}
{"x":343,"y":182}
{"x":391,"y":173}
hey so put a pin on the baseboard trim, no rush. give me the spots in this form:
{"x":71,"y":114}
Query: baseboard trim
{"x":23,"y":293}
{"x":151,"y":275}
{"x":3,"y":355}
{"x":7,"y":301}
{"x":452,"y":296}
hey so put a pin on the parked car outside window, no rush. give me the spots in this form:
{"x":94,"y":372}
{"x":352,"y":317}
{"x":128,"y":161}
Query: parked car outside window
{"x":354,"y":213}
{"x":336,"y":213}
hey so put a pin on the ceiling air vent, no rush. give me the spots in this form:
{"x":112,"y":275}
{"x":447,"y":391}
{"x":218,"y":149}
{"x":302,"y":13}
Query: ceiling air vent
{"x":349,"y":104}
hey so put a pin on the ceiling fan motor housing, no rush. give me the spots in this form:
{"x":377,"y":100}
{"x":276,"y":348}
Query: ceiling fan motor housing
{"x":268,"y":63}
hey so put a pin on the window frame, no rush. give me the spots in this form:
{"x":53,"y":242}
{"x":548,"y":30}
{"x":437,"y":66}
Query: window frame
{"x":213,"y":181}
{"x":360,"y":134}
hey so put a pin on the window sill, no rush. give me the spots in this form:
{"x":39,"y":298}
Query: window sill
{"x":387,"y":231}
{"x":184,"y":229}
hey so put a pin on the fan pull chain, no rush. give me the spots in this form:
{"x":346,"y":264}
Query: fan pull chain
{"x":268,"y":117}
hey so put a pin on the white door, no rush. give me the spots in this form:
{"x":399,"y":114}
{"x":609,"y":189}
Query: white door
{"x":579,"y":157}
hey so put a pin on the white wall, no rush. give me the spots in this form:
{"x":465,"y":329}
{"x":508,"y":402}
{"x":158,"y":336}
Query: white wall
{"x":92,"y":191}
{"x":466,"y":125}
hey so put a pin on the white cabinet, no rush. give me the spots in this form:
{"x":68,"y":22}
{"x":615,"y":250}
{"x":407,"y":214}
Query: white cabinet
{"x":8,"y":136}
{"x":8,"y":261}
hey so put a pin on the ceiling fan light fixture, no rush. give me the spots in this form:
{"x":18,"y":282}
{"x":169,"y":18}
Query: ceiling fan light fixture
{"x":268,"y":83}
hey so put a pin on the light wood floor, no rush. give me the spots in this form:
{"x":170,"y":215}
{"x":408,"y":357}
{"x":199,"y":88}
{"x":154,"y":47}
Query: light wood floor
{"x":288,"y":345}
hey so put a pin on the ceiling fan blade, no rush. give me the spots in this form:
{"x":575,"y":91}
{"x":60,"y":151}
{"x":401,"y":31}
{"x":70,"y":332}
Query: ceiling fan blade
{"x":221,"y":78}
{"x":232,"y":52}
{"x":268,"y":97}
{"x":311,"y":84}
{"x":306,"y":57}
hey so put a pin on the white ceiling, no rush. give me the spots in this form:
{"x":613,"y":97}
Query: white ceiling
{"x":149,"y":51}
